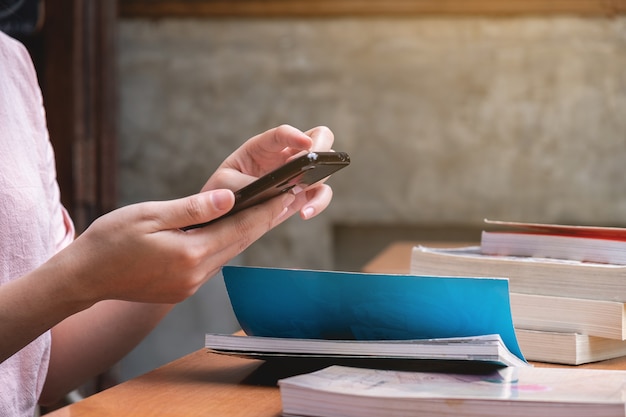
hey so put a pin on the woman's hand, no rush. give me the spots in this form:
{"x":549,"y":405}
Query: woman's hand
{"x":140,"y":253}
{"x":268,"y":151}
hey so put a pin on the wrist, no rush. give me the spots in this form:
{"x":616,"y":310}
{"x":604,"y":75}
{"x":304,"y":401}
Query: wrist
{"x":63,"y":278}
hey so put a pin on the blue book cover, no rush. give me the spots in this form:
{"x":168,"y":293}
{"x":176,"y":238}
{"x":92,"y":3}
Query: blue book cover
{"x":311,"y":304}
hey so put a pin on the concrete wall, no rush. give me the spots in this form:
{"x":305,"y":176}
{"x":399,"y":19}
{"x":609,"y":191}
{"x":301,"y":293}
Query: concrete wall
{"x":448,"y":121}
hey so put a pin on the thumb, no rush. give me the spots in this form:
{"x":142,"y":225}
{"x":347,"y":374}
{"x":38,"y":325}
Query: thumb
{"x":193,"y":211}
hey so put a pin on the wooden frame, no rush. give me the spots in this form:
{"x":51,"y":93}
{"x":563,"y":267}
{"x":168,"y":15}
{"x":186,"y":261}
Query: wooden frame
{"x":342,"y":8}
{"x":75,"y":58}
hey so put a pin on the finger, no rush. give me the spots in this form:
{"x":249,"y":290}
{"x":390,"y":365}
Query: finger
{"x":311,"y":201}
{"x":266,"y":151}
{"x":284,"y":138}
{"x":316,"y":200}
{"x":195,"y":209}
{"x":323,"y":138}
{"x":230,"y":178}
{"x":228,"y":237}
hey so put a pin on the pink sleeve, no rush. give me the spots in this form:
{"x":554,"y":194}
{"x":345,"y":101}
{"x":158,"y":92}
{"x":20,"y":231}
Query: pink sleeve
{"x":33,"y":222}
{"x":67,"y":232}
{"x":62,"y":227}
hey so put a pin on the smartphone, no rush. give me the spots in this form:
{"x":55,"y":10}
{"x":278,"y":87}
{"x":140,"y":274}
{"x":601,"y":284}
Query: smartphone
{"x":296,"y":175}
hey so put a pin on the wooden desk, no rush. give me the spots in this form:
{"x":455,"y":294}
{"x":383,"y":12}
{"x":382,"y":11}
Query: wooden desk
{"x":207,"y":384}
{"x":396,"y":258}
{"x":199,"y":384}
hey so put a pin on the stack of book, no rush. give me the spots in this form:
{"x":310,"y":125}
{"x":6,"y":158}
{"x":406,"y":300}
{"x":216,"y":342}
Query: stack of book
{"x":567,"y":283}
{"x":375,"y":345}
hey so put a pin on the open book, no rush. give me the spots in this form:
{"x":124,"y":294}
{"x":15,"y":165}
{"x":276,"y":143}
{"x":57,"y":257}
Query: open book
{"x":311,"y":311}
{"x":488,"y":349}
{"x":340,"y":391}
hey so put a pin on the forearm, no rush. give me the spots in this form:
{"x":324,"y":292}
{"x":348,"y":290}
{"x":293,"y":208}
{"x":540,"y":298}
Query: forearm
{"x":90,"y":342}
{"x":33,"y":304}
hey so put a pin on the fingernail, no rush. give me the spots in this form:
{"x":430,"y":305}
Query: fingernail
{"x":308,"y":212}
{"x":288,"y":198}
{"x":221,"y":199}
{"x":283,"y":213}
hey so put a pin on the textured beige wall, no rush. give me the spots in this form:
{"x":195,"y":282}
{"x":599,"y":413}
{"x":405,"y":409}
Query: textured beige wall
{"x":448,"y":121}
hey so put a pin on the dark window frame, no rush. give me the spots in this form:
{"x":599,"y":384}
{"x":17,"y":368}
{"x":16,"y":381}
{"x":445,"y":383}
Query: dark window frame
{"x":341,"y":8}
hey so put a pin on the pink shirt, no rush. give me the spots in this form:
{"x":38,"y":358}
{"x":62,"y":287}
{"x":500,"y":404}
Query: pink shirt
{"x":33,"y":223}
